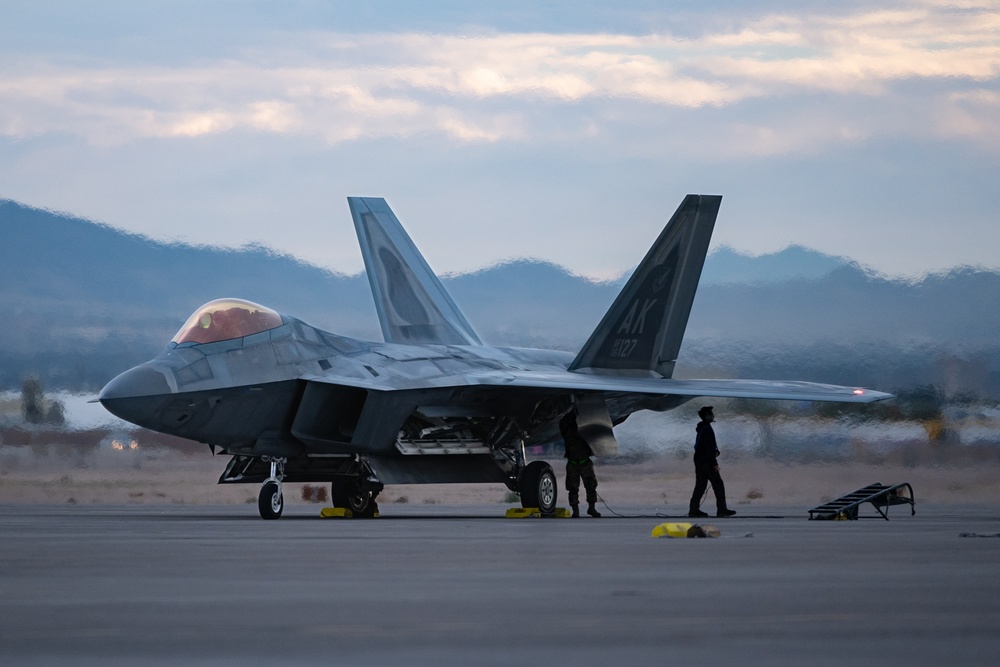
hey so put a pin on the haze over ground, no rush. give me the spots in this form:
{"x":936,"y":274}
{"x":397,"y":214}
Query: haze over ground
{"x":83,"y":302}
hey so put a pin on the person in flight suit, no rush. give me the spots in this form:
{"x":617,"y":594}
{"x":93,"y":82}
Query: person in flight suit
{"x":706,"y":467}
{"x":579,"y":466}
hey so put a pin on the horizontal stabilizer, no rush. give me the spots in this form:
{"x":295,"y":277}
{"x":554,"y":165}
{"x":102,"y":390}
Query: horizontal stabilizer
{"x":413,"y":306}
{"x":642,"y":331}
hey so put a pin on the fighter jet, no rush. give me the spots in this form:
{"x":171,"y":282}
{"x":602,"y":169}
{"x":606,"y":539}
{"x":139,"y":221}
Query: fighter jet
{"x":432,"y":403}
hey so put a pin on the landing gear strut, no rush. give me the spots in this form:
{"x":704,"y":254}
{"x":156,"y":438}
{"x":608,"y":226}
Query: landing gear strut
{"x":271,"y":502}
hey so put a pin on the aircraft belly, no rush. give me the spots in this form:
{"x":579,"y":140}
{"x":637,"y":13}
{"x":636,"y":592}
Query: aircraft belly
{"x":457,"y":469}
{"x":468,"y":469}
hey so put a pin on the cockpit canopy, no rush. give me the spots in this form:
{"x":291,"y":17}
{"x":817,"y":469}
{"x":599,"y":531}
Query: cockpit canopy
{"x":224,"y":319}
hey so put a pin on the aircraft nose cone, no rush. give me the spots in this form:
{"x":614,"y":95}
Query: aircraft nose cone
{"x":135,"y":383}
{"x":135,"y":395}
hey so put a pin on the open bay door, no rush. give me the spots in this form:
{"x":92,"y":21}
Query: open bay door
{"x":595,"y":426}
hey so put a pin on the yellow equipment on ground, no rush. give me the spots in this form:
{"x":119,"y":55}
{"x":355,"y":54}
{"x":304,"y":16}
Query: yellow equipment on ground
{"x":535,"y":513}
{"x":685,"y":530}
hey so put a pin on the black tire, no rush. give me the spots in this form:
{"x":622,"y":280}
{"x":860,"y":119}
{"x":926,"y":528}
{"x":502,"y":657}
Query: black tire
{"x":538,"y":488}
{"x":361,"y":504}
{"x":347,"y":495}
{"x":270,"y":502}
{"x":340,"y":494}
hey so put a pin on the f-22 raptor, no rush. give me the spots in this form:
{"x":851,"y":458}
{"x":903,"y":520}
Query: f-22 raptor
{"x":432,"y":404}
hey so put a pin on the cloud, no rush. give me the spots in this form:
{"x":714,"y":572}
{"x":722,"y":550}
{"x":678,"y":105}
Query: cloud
{"x":971,"y":114}
{"x":487,"y":88}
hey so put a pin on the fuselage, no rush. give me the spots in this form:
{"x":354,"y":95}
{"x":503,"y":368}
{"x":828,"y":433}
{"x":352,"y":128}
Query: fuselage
{"x":247,"y":391}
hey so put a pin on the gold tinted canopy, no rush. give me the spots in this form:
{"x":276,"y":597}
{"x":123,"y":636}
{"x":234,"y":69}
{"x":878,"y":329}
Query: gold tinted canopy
{"x":224,"y":319}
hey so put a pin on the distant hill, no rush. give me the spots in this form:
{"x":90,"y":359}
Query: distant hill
{"x":727,"y":266}
{"x":51,"y":261}
{"x":81,"y":301}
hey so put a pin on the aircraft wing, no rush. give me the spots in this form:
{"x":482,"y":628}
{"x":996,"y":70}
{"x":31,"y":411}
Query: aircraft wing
{"x":771,"y":389}
{"x":570,"y":382}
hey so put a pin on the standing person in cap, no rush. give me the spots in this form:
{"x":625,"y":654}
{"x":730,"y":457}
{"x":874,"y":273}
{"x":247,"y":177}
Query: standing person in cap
{"x":578,"y":465}
{"x":706,"y":467}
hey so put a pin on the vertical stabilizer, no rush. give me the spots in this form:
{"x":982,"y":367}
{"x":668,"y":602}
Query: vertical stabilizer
{"x":643,"y":329}
{"x":413,"y":306}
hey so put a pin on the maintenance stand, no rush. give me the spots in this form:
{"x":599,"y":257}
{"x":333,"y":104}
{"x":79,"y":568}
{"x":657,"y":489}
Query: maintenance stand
{"x":880,"y":496}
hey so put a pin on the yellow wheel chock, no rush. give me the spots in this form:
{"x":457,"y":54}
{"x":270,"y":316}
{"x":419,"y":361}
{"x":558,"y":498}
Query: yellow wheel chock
{"x":535,"y":513}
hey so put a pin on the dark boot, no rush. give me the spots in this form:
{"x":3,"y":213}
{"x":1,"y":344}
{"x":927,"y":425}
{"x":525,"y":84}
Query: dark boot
{"x":576,"y":511}
{"x":696,"y":513}
{"x":724,"y":512}
{"x":592,"y":511}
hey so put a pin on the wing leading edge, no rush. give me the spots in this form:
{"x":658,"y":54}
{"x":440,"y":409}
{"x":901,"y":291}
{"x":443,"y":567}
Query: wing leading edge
{"x":413,"y":306}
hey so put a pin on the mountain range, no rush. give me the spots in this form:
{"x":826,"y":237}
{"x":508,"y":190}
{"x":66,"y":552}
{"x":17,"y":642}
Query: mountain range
{"x":82,"y":301}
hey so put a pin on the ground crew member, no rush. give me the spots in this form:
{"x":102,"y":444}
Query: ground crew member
{"x":706,"y":467}
{"x":579,"y":466}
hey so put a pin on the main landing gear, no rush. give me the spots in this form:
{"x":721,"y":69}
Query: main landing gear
{"x":270,"y":502}
{"x":535,"y":482}
{"x":357,"y":491}
{"x":538,"y":488}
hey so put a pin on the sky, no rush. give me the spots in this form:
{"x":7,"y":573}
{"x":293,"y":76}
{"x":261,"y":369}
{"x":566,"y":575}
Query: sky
{"x":564,"y":131}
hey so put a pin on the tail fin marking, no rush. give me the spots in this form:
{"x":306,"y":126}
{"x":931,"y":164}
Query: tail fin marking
{"x":643,"y":329}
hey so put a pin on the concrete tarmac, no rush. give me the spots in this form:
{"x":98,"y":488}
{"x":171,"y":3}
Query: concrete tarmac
{"x":436,"y":585}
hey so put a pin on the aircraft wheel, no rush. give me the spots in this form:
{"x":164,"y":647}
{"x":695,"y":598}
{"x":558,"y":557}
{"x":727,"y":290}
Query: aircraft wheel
{"x":270,"y":501}
{"x":348,"y":495}
{"x":538,"y":488}
{"x":340,"y":493}
{"x":363,"y":504}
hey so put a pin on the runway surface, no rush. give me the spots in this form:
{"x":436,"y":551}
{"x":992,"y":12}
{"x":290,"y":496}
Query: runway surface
{"x":435,"y":585}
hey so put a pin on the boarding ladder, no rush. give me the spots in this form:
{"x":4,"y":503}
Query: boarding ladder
{"x":879,"y":495}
